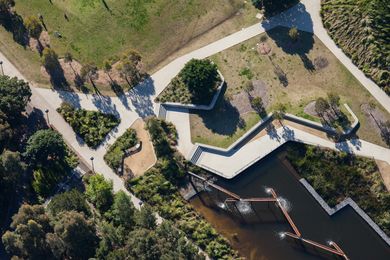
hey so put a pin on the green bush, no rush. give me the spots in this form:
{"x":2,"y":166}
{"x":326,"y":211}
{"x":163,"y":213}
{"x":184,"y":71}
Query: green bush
{"x":336,"y":175}
{"x":159,"y":192}
{"x":195,"y":84}
{"x":116,"y":152}
{"x":158,"y":187}
{"x":91,"y":126}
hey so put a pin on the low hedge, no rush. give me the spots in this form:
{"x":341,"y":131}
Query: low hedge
{"x":91,"y":126}
{"x":116,"y":152}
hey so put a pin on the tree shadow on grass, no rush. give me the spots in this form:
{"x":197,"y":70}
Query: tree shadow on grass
{"x":295,"y":17}
{"x":14,"y":23}
{"x":224,"y":119}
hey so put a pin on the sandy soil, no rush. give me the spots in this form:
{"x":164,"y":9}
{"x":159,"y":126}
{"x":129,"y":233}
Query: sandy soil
{"x":144,"y":159}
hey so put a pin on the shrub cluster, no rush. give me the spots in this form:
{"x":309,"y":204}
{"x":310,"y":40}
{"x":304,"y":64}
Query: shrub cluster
{"x":158,"y":187}
{"x":116,"y":152}
{"x":361,"y":29}
{"x":91,"y":126}
{"x":336,"y":175}
{"x":195,"y":84}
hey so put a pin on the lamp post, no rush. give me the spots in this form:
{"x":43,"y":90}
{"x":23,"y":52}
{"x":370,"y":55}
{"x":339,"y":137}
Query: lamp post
{"x":47,"y":116}
{"x":1,"y":65}
{"x":93,"y":168}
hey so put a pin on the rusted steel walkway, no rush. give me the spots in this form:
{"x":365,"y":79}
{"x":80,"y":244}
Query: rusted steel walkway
{"x":333,"y":248}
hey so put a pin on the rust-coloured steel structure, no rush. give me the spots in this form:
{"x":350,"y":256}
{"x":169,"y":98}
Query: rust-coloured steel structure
{"x":334,"y":249}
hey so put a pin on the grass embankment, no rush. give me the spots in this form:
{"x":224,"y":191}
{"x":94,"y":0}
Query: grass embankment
{"x":336,"y":176}
{"x":306,"y":79}
{"x":91,"y":126}
{"x":361,"y":28}
{"x":116,"y":152}
{"x":95,"y":32}
{"x":159,"y":188}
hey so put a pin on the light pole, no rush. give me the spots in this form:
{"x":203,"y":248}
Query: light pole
{"x":93,"y":168}
{"x":1,"y":65}
{"x":47,"y":116}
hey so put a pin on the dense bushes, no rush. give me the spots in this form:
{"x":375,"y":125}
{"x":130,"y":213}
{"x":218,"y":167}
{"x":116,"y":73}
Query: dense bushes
{"x":336,"y":176}
{"x":361,"y":29}
{"x":158,"y":187}
{"x":163,"y":135}
{"x":116,"y":152}
{"x":154,"y":188}
{"x":91,"y":126}
{"x":196,"y":84}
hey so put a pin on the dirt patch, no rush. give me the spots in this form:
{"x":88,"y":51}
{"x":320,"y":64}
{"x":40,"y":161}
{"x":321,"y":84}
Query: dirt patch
{"x":141,"y":161}
{"x":71,"y":72}
{"x":263,"y":48}
{"x":242,"y":100}
{"x":384,"y":169}
{"x":320,"y":63}
{"x":310,"y":109}
{"x":44,"y":41}
{"x":377,"y":121}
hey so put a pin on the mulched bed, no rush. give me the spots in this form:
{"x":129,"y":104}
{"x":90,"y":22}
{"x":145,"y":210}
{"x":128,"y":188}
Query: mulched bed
{"x":241,"y":101}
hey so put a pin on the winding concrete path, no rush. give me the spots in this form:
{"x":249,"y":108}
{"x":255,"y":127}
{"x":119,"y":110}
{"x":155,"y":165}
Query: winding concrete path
{"x":139,"y":103}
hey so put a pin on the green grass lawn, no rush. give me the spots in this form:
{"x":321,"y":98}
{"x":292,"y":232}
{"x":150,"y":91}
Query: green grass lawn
{"x":155,"y":28}
{"x":305,"y":82}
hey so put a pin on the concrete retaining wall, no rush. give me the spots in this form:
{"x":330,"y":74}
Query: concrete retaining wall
{"x":346,"y":202}
{"x":289,"y":117}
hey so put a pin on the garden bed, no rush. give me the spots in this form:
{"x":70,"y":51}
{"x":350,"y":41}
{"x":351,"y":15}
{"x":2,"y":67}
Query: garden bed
{"x":159,"y":188}
{"x":116,"y":152}
{"x":91,"y":126}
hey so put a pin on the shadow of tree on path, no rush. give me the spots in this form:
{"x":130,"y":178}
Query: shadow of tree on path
{"x":295,"y":17}
{"x":141,"y":97}
{"x":105,"y":105}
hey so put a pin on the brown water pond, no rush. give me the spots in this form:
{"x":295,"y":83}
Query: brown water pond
{"x":256,"y":234}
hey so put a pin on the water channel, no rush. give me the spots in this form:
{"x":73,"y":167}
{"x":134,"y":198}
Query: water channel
{"x":256,"y":232}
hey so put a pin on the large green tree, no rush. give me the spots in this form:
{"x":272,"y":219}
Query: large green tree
{"x":99,"y":192}
{"x":68,"y":201}
{"x":200,"y":77}
{"x":78,"y":235}
{"x":28,"y":240}
{"x":45,"y":145}
{"x":14,"y":96}
{"x":122,"y":211}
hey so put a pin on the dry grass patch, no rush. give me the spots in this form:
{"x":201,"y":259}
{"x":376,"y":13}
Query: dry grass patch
{"x":311,"y":71}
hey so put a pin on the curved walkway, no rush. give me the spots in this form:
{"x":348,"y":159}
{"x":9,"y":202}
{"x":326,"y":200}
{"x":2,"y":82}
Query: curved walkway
{"x":140,"y":102}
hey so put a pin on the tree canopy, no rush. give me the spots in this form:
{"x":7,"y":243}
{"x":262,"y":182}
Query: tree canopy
{"x":72,"y":200}
{"x":99,"y":192}
{"x":14,"y":96}
{"x":45,"y":145}
{"x":200,"y":76}
{"x":33,"y":26}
